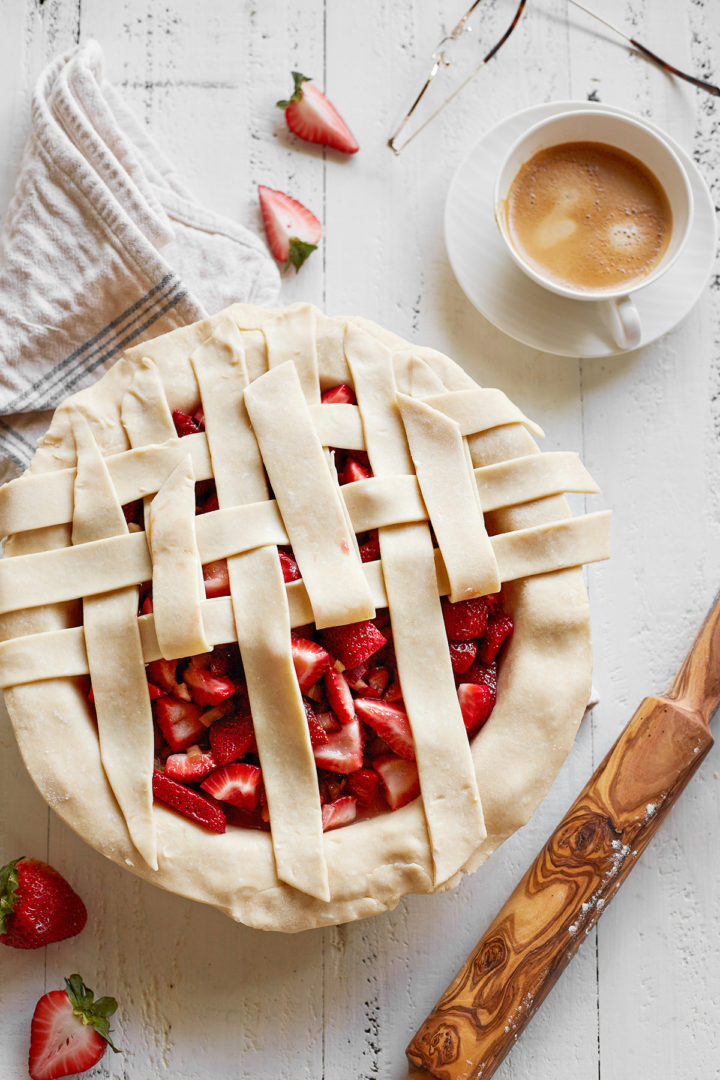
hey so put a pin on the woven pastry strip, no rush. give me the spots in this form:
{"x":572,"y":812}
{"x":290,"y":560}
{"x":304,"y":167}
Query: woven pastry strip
{"x":447,"y":774}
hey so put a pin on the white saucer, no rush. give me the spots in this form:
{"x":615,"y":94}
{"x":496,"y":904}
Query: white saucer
{"x":533,"y":315}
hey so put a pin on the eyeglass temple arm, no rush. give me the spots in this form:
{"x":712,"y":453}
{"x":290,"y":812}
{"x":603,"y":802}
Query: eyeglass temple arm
{"x":701,"y":83}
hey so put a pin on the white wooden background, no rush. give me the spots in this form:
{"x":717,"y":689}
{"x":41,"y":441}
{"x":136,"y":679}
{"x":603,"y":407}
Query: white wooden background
{"x":200,"y":997}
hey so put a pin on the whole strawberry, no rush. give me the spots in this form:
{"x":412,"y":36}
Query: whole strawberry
{"x":70,"y":1031}
{"x":37,"y":906}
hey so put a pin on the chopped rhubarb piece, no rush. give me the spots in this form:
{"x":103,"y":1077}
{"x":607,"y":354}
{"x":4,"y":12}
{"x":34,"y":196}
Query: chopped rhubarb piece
{"x":184,"y":424}
{"x":189,"y":768}
{"x":354,"y":471}
{"x":188,"y":802}
{"x":339,"y":395}
{"x":290,"y":569}
{"x":465,"y":620}
{"x":179,"y":722}
{"x":340,"y":812}
{"x":311,"y":662}
{"x":206,"y":688}
{"x":339,"y":696}
{"x":370,"y":548}
{"x":354,"y":643}
{"x":317,"y":732}
{"x":231,"y":738}
{"x":378,"y":680}
{"x":216,"y":578}
{"x":462,"y":654}
{"x":363,"y":785}
{"x":390,"y":722}
{"x":356,"y":677}
{"x":343,"y":751}
{"x":476,"y":704}
{"x":399,"y":779}
{"x":499,"y":630}
{"x":238,"y":784}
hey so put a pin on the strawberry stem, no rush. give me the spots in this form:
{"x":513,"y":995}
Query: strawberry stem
{"x":8,"y":892}
{"x":92,"y":1013}
{"x":299,"y":251}
{"x":298,"y":79}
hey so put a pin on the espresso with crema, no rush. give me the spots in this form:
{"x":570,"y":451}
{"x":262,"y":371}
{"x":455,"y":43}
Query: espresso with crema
{"x":588,"y":216}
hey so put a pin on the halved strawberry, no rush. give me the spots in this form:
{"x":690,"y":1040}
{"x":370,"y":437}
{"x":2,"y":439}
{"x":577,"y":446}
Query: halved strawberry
{"x":390,"y":722}
{"x":465,"y":620}
{"x":293,"y":231}
{"x":231,"y":738}
{"x":238,"y":784}
{"x":216,"y":578}
{"x":310,"y":115}
{"x":339,"y":395}
{"x":188,"y":802}
{"x":462,"y":654}
{"x":399,"y":779}
{"x":343,"y":751}
{"x":363,"y":785}
{"x":340,"y":812}
{"x":311,"y":661}
{"x":189,"y":768}
{"x":476,"y":704}
{"x":354,"y":643}
{"x":179,"y":722}
{"x":70,"y":1031}
{"x":184,"y":424}
{"x":339,"y":696}
{"x":317,"y":732}
{"x":290,"y":569}
{"x":206,"y":688}
{"x":499,"y":629}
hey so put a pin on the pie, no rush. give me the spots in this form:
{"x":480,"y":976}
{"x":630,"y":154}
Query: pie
{"x":247,"y":571}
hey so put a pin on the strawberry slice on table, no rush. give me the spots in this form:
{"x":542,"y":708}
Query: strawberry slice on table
{"x":339,"y":696}
{"x":231,"y":738}
{"x":343,"y":751}
{"x":390,"y":722}
{"x":190,"y":768}
{"x":462,"y":654}
{"x":238,"y":784}
{"x":70,"y":1031}
{"x":400,"y":779}
{"x":216,"y":579}
{"x":339,"y":395}
{"x":311,"y":661}
{"x":363,"y":785}
{"x":188,"y":802}
{"x":476,"y":704}
{"x":354,"y":643}
{"x":37,"y":905}
{"x":311,"y":116}
{"x":499,"y":630}
{"x":340,"y":812}
{"x":293,"y":232}
{"x":179,"y":722}
{"x":466,"y":619}
{"x":206,"y":688}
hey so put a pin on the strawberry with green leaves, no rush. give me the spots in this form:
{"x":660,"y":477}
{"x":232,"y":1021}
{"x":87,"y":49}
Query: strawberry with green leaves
{"x":70,"y":1031}
{"x":310,"y":116}
{"x":293,"y":231}
{"x":37,"y":905}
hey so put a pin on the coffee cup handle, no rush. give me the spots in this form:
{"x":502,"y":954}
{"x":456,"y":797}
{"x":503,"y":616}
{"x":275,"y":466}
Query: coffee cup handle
{"x":624,"y":322}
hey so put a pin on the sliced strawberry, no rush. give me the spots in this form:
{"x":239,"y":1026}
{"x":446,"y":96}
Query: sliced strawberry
{"x":163,"y":673}
{"x":290,"y":569}
{"x":293,"y":231}
{"x":462,"y":654}
{"x":184,"y":424}
{"x":317,"y":732}
{"x":207,"y":504}
{"x":189,"y":768}
{"x":216,"y":578}
{"x":155,"y":692}
{"x":206,"y":688}
{"x":311,"y":661}
{"x":238,"y":784}
{"x":465,"y":620}
{"x":370,"y":548}
{"x":328,"y":721}
{"x":133,"y":512}
{"x":310,"y":115}
{"x":231,"y":738}
{"x":340,"y":812}
{"x":499,"y":630}
{"x":476,"y":704}
{"x":343,"y":751}
{"x":339,"y":696}
{"x":188,"y":802}
{"x":354,"y":643}
{"x":70,"y":1031}
{"x":481,"y":673}
{"x":147,"y":606}
{"x":399,"y":779}
{"x":339,"y":395}
{"x":199,"y":417}
{"x":393,"y":693}
{"x":179,"y":722}
{"x":363,"y":785}
{"x":390,"y":722}
{"x":225,"y":660}
{"x":354,"y":471}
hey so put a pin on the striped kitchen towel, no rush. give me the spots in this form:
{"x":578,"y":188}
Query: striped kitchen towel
{"x":101,"y":247}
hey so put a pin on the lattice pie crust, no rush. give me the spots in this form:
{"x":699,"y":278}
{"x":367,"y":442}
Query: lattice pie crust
{"x":443,"y":451}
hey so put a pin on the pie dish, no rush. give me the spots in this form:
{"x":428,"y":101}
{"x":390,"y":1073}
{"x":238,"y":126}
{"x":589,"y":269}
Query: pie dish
{"x":463,"y":503}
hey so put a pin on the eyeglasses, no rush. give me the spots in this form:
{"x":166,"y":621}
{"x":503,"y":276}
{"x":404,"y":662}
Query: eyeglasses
{"x":448,"y":57}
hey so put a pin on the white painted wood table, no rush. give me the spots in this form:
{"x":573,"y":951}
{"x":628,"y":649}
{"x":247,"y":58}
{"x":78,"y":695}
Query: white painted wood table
{"x":203,"y":998}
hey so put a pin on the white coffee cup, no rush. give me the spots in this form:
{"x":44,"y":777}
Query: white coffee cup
{"x":632,"y":137}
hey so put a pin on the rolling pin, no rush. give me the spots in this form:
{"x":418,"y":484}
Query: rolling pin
{"x":573,"y":879}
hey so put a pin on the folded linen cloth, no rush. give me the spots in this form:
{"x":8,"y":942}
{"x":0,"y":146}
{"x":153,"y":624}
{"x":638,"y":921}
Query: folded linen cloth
{"x":101,"y":247}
